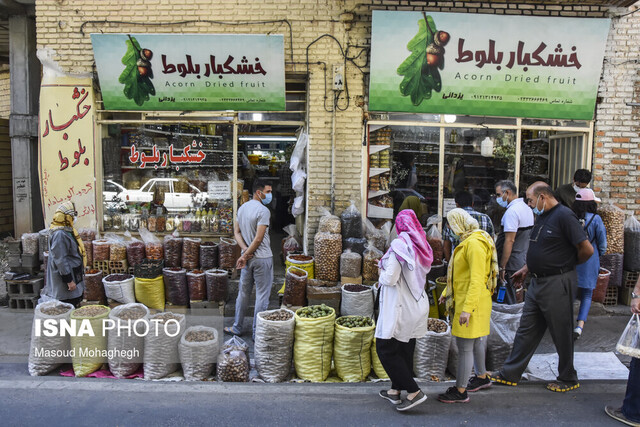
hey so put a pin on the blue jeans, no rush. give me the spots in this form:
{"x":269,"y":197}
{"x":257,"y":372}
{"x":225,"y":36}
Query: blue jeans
{"x":631,"y":404}
{"x":584,"y":295}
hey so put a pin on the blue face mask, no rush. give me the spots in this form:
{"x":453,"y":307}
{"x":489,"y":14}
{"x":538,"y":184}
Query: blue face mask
{"x":537,"y":211}
{"x":267,"y":198}
{"x":501,"y":201}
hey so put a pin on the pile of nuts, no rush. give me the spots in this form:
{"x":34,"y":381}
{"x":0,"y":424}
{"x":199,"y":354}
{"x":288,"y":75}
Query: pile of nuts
{"x":154,"y":250}
{"x":233,"y":366}
{"x":199,"y":336}
{"x":132,"y":313}
{"x":163,"y":317}
{"x":277,"y":316}
{"x":56,"y":310}
{"x":173,"y":252}
{"x":354,"y":321}
{"x":328,"y":248}
{"x":117,"y":252}
{"x":90,"y":311}
{"x":437,"y":325}
{"x":329,"y":224}
{"x":315,"y":311}
{"x":613,"y":219}
{"x":191,"y":253}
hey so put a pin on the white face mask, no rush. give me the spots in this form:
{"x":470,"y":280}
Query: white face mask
{"x":576,"y":188}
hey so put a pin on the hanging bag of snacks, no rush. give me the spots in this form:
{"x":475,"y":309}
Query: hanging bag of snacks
{"x":217,"y":285}
{"x":313,"y":344}
{"x":176,"y":290}
{"x":273,"y":348}
{"x":431,"y":355}
{"x":357,"y":300}
{"x":42,"y":347}
{"x":126,"y":339}
{"x":198,"y":349}
{"x":161,"y":344}
{"x":352,"y":347}
{"x":87,"y":350}
{"x":191,"y":253}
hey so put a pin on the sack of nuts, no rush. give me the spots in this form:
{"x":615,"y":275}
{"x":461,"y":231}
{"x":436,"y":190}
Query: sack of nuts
{"x":273,"y":348}
{"x":431,"y":355}
{"x":198,"y":348}
{"x":122,"y":343}
{"x":94,"y":346}
{"x":56,"y":344}
{"x":328,"y":248}
{"x":173,"y":251}
{"x":233,"y":362}
{"x":370,"y":263}
{"x":161,"y":349}
{"x":329,"y":223}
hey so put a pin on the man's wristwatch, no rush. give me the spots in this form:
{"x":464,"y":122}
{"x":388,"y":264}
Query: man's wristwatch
{"x":634,"y":295}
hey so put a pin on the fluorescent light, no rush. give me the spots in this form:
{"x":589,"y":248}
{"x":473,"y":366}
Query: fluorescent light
{"x":450,"y":118}
{"x":257,"y":117}
{"x":267,"y":138}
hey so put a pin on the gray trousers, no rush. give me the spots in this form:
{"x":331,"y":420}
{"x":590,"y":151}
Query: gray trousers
{"x":548,"y":304}
{"x":471,"y":354}
{"x":258,"y":271}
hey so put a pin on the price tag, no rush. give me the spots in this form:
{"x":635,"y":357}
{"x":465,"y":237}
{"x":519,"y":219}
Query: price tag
{"x":448,"y":205}
{"x":219,"y":190}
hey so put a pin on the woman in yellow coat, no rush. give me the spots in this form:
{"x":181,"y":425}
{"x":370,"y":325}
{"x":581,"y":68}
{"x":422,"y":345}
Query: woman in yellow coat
{"x":471,"y":279}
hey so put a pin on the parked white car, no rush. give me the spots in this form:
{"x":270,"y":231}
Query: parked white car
{"x":173,"y":200}
{"x":112,"y":195}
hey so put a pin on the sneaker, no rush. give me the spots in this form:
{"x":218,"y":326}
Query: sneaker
{"x":454,"y":396}
{"x":577,"y":333}
{"x":476,"y":384}
{"x":616,"y":414}
{"x":410,"y":403}
{"x":393,"y":398}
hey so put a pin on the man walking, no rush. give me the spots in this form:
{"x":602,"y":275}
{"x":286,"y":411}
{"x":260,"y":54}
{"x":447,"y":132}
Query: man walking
{"x":566,"y":194}
{"x":513,"y":241}
{"x":256,"y":261}
{"x":557,"y":244}
{"x":464,"y":200}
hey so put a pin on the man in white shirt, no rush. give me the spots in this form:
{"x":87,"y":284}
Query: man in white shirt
{"x":513,"y":242}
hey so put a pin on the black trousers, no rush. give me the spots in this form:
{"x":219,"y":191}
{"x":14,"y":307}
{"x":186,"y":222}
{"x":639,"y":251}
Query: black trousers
{"x":74,"y":301}
{"x":397,"y":359}
{"x":548,"y":304}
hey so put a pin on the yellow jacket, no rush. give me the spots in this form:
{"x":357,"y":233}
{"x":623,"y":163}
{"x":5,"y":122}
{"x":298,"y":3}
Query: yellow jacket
{"x":471,"y":267}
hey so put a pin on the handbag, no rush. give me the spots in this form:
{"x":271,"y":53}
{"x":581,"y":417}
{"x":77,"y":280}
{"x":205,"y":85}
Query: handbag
{"x":629,"y":342}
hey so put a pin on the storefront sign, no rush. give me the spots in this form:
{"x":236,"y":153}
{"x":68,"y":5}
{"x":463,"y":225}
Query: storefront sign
{"x":66,"y":148}
{"x":191,"y":71}
{"x":189,"y":155}
{"x":219,"y":190}
{"x":487,"y":65}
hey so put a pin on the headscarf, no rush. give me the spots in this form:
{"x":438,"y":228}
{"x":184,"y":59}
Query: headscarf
{"x":412,"y":252}
{"x":63,"y":220}
{"x":413,"y":203}
{"x":464,"y":225}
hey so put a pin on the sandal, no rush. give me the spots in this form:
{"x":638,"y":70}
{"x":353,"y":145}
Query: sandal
{"x":230,"y":331}
{"x":562,"y":387}
{"x":499,"y":379}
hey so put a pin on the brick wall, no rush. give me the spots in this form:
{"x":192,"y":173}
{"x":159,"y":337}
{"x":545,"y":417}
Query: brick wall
{"x":5,"y":96}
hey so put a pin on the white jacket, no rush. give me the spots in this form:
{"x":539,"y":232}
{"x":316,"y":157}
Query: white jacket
{"x":400,"y":315}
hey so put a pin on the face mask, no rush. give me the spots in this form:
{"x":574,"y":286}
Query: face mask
{"x":501,"y":201}
{"x":576,"y":188}
{"x":537,"y":211}
{"x":267,"y":198}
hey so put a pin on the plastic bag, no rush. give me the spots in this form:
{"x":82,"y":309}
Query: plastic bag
{"x":217,"y":285}
{"x":176,"y":290}
{"x":191,"y":253}
{"x":632,"y":244}
{"x":161,"y":345}
{"x":328,"y":223}
{"x":352,"y":352}
{"x":198,"y":348}
{"x":378,"y":237}
{"x":126,"y":338}
{"x":93,"y":287}
{"x":629,"y":342}
{"x":208,"y":255}
{"x":356,"y":302}
{"x":313,"y":347}
{"x":273,"y":349}
{"x":43,"y":242}
{"x":328,"y":248}
{"x":378,"y":369}
{"x":351,"y":222}
{"x":150,"y":292}
{"x":613,"y":263}
{"x":117,"y":247}
{"x":57,"y":344}
{"x":504,"y":322}
{"x":370,"y":263}
{"x":233,"y":361}
{"x":298,"y":205}
{"x":100,"y":250}
{"x":135,"y":252}
{"x":297,"y":180}
{"x":613,"y":219}
{"x":298,"y":154}
{"x":197,"y":284}
{"x":431,"y":354}
{"x":350,"y":264}
{"x":295,"y":290}
{"x":30,"y":242}
{"x":290,"y":243}
{"x":87,"y":350}
{"x":228,"y":253}
{"x":120,"y":288}
{"x":355,"y":244}
{"x":153,"y":245}
{"x":173,"y":250}
{"x":434,"y":238}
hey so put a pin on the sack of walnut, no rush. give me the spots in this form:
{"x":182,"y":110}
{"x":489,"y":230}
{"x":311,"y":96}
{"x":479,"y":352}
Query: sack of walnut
{"x":176,"y":290}
{"x":196,"y":281}
{"x":208,"y":255}
{"x":328,"y":248}
{"x":370,"y":263}
{"x":431,"y":355}
{"x":329,"y":223}
{"x":161,"y":344}
{"x":273,"y":350}
{"x":217,"y":285}
{"x":135,"y":252}
{"x":93,"y":287}
{"x":88,"y":350}
{"x":191,"y":253}
{"x":173,"y":251}
{"x":233,"y":361}
{"x":126,"y":339}
{"x":357,"y":300}
{"x":350,"y":264}
{"x":44,"y":345}
{"x":613,"y":219}
{"x":295,"y":288}
{"x":198,"y":349}
{"x":228,"y":253}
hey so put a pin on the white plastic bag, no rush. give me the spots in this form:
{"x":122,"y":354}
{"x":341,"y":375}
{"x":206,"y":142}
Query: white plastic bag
{"x":298,"y":206}
{"x":120,"y":291}
{"x":198,"y":357}
{"x":273,"y":348}
{"x":298,"y":155}
{"x":629,"y":342}
{"x":42,"y":365}
{"x":297,"y":180}
{"x":356,"y":303}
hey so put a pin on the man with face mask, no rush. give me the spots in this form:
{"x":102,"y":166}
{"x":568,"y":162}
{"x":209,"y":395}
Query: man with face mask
{"x":566,"y":194}
{"x":256,"y":261}
{"x":513,"y":241}
{"x":556,"y":245}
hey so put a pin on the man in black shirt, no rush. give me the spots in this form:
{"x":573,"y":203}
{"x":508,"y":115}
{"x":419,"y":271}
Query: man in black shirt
{"x":557,"y":244}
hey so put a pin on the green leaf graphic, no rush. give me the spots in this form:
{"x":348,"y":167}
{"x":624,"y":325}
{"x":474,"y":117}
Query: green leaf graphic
{"x":136,"y":87}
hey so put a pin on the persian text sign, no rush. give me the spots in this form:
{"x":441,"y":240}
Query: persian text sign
{"x":488,"y":65}
{"x":191,"y":71}
{"x":66,"y":148}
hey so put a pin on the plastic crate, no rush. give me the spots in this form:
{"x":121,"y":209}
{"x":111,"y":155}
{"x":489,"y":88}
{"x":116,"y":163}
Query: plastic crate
{"x":611,"y":297}
{"x":629,"y":279}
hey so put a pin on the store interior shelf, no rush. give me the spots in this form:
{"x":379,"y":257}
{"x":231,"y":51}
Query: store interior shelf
{"x":164,"y":132}
{"x":379,"y":212}
{"x":373,"y":149}
{"x":378,"y":171}
{"x":404,"y":141}
{"x":373,"y":194}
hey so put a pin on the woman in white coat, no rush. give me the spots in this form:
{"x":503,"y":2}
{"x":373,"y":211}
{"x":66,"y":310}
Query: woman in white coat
{"x":404,"y":308}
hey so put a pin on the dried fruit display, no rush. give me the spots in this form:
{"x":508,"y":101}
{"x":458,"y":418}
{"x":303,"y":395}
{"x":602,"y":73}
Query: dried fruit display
{"x":173,"y":251}
{"x":93,"y":287}
{"x":117,"y":252}
{"x":133,"y":313}
{"x":217,"y":285}
{"x":135,"y":253}
{"x":208,"y":255}
{"x":295,"y":290}
{"x":328,"y":248}
{"x":191,"y":253}
{"x":88,"y":249}
{"x":176,"y":289}
{"x":154,"y":250}
{"x":197,"y":285}
{"x":228,"y":253}
{"x":101,"y":250}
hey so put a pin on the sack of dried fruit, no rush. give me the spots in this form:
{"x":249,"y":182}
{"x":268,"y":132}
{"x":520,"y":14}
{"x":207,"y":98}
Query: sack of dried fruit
{"x":44,"y":345}
{"x":176,"y":290}
{"x":161,"y":344}
{"x":198,"y":351}
{"x":357,"y":300}
{"x":313,"y":344}
{"x":150,"y":292}
{"x":273,"y":350}
{"x":295,"y":291}
{"x":432,"y":351}
{"x":505,"y":319}
{"x":120,"y":288}
{"x":88,"y":351}
{"x":352,"y":347}
{"x":378,"y":369}
{"x":233,"y":361}
{"x":126,"y":338}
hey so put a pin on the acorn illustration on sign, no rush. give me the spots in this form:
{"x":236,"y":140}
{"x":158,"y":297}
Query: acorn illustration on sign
{"x":137,"y":74}
{"x":420,"y":69}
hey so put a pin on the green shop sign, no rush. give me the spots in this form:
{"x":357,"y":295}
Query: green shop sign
{"x":486,"y":65}
{"x":190,"y":71}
